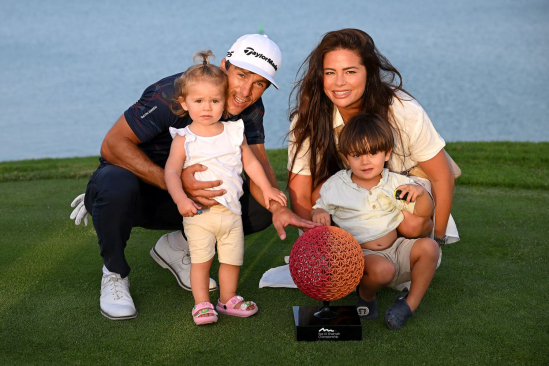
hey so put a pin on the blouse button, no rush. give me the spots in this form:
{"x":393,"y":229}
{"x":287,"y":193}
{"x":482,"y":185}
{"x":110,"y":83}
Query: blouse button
{"x":374,"y":206}
{"x":370,"y":193}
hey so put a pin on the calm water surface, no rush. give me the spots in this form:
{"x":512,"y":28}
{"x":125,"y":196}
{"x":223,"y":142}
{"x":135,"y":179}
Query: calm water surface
{"x":68,"y":70}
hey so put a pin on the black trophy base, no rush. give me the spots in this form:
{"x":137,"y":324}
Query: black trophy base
{"x":345,"y":327}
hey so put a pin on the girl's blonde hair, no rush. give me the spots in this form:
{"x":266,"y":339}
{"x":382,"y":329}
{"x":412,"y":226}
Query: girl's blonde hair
{"x":203,"y":71}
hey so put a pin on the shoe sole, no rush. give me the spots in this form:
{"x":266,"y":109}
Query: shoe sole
{"x":162,"y":263}
{"x":107,"y":315}
{"x":237,"y":313}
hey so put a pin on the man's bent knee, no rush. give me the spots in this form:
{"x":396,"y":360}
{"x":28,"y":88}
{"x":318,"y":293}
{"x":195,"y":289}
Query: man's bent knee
{"x":113,"y":186}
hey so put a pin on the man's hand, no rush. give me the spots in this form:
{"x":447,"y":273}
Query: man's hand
{"x":196,"y":190}
{"x":79,"y":213}
{"x":283,"y":216}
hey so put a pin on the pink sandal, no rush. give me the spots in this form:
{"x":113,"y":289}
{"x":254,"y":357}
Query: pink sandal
{"x":230,"y":307}
{"x":199,"y":311}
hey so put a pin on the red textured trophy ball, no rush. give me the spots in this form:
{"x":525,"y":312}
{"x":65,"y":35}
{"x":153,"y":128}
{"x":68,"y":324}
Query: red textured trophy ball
{"x":326,"y":263}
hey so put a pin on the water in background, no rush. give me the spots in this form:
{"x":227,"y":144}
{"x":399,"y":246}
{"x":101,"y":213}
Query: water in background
{"x":68,"y":70}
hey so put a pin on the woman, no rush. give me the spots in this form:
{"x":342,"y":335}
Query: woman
{"x":343,"y":76}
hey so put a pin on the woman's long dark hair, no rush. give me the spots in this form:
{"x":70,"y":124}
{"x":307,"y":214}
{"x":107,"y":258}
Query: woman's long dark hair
{"x":314,"y":110}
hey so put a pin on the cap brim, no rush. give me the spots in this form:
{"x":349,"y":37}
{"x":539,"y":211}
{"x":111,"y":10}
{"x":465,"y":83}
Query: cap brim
{"x":254,"y":69}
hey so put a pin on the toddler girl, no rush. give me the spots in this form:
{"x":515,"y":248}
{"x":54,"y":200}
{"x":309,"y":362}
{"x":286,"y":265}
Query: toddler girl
{"x":222,"y":148}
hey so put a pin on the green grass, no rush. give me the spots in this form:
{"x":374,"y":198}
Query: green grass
{"x":502,"y":164}
{"x":488,"y":302}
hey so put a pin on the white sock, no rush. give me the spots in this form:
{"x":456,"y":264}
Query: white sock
{"x":106,"y":272}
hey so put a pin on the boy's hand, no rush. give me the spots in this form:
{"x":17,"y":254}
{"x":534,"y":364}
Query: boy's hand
{"x":275,"y":195}
{"x":321,"y":216}
{"x":187,"y":207}
{"x":412,"y":190}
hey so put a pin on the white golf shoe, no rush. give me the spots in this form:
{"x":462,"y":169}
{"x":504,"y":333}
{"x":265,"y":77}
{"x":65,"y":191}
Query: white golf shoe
{"x":116,"y":302}
{"x":176,"y":257}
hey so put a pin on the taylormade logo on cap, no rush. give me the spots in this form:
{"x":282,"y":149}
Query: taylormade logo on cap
{"x":250,"y":51}
{"x":258,"y":54}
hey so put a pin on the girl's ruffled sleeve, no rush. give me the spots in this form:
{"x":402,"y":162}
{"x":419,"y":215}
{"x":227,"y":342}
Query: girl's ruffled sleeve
{"x":182,"y":132}
{"x":236,"y":131}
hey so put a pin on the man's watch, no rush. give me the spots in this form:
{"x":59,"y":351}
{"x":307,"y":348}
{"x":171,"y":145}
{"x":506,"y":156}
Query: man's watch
{"x":441,"y":241}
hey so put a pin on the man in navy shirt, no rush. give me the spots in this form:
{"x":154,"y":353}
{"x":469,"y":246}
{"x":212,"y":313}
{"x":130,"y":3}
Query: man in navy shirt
{"x":128,"y":188}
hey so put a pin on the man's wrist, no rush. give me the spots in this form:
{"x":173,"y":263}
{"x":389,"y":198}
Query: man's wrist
{"x":275,"y":206}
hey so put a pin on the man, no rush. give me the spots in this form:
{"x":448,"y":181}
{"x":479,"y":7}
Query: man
{"x":128,"y":188}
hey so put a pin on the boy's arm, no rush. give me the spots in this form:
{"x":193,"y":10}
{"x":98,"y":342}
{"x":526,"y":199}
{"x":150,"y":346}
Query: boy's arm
{"x":321,"y":216}
{"x":323,"y":208}
{"x":418,"y":196}
{"x":424,"y":204}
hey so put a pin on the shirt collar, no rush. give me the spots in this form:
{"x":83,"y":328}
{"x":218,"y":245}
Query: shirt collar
{"x":384,"y":177}
{"x":337,"y":118}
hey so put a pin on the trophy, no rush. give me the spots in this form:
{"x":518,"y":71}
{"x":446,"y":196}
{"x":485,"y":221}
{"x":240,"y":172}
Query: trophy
{"x":326,"y":264}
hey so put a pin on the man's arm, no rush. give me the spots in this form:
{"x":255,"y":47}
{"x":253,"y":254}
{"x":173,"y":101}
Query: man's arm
{"x":282,"y":215}
{"x":120,"y":148}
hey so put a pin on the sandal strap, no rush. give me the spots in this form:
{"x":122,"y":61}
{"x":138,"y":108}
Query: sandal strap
{"x":203,"y":308}
{"x":246,"y":304}
{"x":235,"y":300}
{"x":232,"y":301}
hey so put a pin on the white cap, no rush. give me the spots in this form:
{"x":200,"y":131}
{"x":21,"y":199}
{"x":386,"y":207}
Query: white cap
{"x":256,"y":53}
